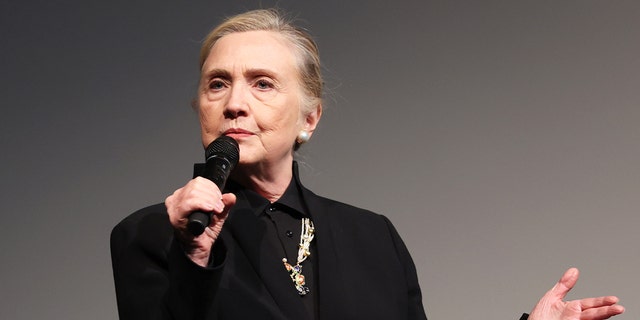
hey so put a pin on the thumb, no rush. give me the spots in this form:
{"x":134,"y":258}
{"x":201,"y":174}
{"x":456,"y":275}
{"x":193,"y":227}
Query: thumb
{"x":565,"y":284}
{"x":229,"y":200}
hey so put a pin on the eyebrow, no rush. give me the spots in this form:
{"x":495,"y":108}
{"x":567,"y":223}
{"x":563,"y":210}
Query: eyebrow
{"x":261,"y":72}
{"x":254,"y":72}
{"x":214,"y":73}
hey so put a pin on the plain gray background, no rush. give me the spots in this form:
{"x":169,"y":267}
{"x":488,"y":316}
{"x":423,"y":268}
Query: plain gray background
{"x":500,"y":137}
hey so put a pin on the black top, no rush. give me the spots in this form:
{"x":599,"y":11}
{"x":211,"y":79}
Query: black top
{"x":283,"y":222}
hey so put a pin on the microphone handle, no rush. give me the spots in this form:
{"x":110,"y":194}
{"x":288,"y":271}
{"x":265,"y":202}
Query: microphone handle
{"x":216,"y":170}
{"x":198,"y":221}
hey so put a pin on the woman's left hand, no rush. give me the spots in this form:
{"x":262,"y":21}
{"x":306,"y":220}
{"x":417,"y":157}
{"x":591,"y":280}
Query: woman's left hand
{"x":552,"y":307}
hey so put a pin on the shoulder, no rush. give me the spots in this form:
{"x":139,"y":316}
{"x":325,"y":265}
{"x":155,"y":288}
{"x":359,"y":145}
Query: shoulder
{"x":345,"y":214}
{"x":343,"y":208}
{"x":359,"y":232}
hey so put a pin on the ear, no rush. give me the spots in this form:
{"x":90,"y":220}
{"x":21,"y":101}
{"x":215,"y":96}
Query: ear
{"x":312,"y":119}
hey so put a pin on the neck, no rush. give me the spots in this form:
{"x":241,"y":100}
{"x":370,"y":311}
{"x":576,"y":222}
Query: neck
{"x":269,"y":181}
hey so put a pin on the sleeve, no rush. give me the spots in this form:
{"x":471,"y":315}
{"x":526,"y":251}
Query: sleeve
{"x":416,"y":309}
{"x":153,"y":277}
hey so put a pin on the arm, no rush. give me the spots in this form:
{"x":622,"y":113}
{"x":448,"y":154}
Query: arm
{"x":160,"y":271}
{"x":154,"y":279}
{"x":416,"y":309}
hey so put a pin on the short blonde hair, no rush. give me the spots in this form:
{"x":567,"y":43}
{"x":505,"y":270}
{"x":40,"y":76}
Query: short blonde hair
{"x":304,"y":45}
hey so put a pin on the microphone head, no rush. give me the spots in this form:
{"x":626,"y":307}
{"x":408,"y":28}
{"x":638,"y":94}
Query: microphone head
{"x":224,"y":147}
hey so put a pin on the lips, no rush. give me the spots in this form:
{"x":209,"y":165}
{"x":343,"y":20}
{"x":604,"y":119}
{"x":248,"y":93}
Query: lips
{"x":237,"y":133}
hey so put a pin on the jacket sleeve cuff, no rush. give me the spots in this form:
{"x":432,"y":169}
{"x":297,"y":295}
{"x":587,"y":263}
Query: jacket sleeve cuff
{"x":193,"y":288}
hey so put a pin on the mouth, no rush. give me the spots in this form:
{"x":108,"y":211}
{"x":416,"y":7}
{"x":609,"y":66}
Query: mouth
{"x":237,"y":133}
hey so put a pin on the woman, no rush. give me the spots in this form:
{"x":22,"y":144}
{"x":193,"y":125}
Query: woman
{"x":274,"y":250}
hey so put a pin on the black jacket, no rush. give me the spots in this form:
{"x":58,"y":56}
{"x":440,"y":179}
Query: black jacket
{"x":364,"y":270}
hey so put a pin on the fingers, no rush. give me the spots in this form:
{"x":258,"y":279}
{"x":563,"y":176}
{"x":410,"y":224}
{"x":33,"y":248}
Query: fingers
{"x":588,"y":303}
{"x":198,"y":194}
{"x":218,"y":219}
{"x":600,"y":313}
{"x":600,"y":308}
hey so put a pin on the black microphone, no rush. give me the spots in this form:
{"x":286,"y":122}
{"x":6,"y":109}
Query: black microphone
{"x":221,"y":155}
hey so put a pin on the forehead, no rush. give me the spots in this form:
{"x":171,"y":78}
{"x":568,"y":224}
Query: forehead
{"x":253,"y":50}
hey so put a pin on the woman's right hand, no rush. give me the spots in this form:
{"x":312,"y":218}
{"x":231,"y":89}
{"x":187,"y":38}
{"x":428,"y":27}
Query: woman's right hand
{"x":203,"y":195}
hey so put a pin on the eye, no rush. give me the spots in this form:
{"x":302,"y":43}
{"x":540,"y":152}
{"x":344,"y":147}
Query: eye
{"x":216,"y":85}
{"x":263,"y":84}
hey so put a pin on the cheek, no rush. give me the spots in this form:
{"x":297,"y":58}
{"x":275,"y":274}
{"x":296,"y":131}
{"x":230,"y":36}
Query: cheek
{"x":283,"y":115}
{"x":209,"y":111}
{"x":209,"y":121}
{"x":204,"y":120}
{"x":279,"y":124}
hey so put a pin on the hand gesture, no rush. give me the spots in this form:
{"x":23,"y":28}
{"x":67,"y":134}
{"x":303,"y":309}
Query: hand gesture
{"x":552,"y":307}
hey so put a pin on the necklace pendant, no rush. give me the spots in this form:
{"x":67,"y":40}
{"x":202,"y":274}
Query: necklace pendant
{"x":295,"y":272}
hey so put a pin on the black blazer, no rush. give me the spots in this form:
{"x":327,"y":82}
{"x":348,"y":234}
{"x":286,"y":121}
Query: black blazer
{"x":364,"y":270}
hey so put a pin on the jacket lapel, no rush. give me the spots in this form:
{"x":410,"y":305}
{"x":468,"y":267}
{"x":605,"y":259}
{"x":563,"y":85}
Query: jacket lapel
{"x":330,"y":277}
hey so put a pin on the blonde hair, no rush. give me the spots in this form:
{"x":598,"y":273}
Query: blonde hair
{"x":272,"y":20}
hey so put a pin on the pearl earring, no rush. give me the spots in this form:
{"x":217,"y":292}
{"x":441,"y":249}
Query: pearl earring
{"x":303,"y":137}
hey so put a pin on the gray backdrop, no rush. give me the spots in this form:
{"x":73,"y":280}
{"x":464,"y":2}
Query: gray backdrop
{"x":501,"y":138}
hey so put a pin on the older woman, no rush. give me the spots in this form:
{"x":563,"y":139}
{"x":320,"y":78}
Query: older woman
{"x":274,"y":249}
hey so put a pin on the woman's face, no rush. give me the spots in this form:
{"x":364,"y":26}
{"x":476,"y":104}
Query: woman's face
{"x":250,"y":90}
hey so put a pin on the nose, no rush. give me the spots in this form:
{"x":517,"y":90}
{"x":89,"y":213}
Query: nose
{"x":236,"y":105}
